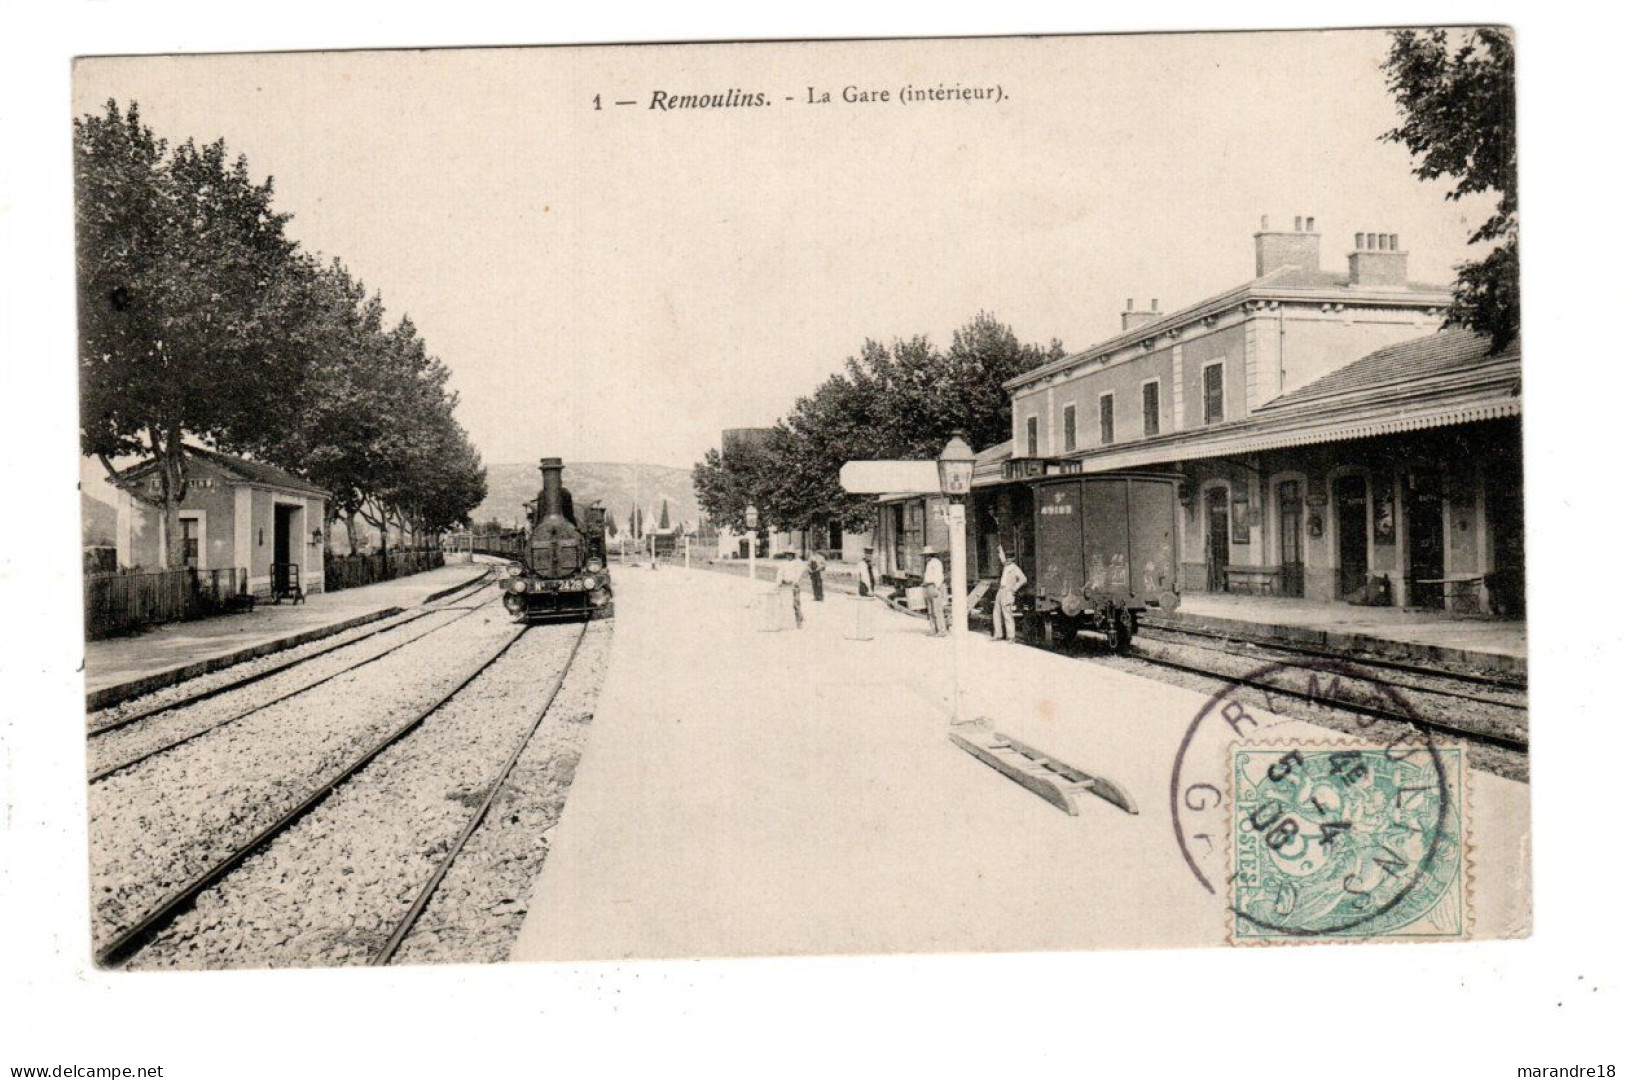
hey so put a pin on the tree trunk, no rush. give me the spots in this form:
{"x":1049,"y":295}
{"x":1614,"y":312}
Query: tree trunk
{"x":170,"y":455}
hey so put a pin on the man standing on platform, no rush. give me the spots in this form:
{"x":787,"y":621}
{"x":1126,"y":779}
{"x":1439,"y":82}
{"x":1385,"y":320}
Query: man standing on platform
{"x":866,"y":573}
{"x":792,"y":572}
{"x":1011,"y":580}
{"x":815,"y":571}
{"x":933,"y":580}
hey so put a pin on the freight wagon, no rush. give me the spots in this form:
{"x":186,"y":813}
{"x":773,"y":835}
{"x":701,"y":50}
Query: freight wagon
{"x":1105,"y":549}
{"x":1098,"y":550}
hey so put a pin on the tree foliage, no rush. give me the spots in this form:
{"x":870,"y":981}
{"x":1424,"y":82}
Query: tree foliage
{"x":200,"y":319}
{"x":902,"y":400}
{"x":1455,"y":91}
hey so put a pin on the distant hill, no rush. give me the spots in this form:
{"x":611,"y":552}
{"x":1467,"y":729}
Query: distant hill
{"x":98,"y":522}
{"x":617,"y":486}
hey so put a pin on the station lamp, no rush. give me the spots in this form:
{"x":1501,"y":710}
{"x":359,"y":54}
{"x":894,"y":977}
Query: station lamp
{"x":955,"y":466}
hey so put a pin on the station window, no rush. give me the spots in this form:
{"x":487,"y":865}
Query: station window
{"x":1213,"y":393}
{"x":1069,"y":427}
{"x":1151,"y":407}
{"x":189,"y":540}
{"x":1032,"y":436}
{"x":1107,"y":408}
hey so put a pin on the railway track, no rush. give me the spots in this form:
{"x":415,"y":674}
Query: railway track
{"x":1166,"y":631}
{"x":420,"y":902}
{"x":124,"y":719}
{"x":126,"y":761}
{"x":1489,"y":714}
{"x":127,"y":942}
{"x":1318,"y":691}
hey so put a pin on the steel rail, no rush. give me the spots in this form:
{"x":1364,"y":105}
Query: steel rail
{"x":1379,"y":712}
{"x":426,"y":893}
{"x":1327,"y":654}
{"x":1351,"y":662}
{"x":138,"y":934}
{"x":108,"y":770}
{"x":266,"y":673}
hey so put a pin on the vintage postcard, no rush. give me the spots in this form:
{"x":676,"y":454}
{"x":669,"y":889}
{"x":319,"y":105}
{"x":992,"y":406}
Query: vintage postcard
{"x":802,"y":498}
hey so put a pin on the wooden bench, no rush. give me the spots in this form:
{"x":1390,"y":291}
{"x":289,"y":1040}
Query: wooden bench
{"x":1461,"y":592}
{"x":1252,"y":580}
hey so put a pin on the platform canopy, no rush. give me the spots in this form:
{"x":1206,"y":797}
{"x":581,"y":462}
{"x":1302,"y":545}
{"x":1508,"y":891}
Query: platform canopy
{"x":890,"y":478}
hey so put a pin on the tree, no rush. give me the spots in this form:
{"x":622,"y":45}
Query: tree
{"x":904,"y":400}
{"x":725,"y":486}
{"x":665,"y":516}
{"x":1455,"y":91}
{"x":189,"y":301}
{"x":610,"y":527}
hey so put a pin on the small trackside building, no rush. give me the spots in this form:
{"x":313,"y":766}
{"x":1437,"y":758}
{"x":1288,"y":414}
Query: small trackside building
{"x":237,"y":515}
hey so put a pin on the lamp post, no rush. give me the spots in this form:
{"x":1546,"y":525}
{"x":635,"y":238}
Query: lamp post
{"x":751,"y":518}
{"x":955,"y":466}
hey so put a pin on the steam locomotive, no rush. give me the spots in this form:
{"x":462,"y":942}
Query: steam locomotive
{"x":563,"y":567}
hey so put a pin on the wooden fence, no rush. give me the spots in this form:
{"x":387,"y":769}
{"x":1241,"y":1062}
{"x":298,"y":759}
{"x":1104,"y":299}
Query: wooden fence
{"x":353,"y":571}
{"x":121,"y":602}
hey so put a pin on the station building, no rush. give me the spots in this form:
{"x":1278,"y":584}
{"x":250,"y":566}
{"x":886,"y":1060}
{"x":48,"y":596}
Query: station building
{"x":261,"y":521}
{"x":1332,"y":443}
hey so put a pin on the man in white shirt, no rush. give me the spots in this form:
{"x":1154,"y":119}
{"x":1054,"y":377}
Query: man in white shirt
{"x":1011,"y":580}
{"x":932,"y":579}
{"x":792,"y":573}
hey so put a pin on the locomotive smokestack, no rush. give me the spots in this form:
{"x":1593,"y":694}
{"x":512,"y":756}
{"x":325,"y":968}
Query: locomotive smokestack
{"x":552,"y":487}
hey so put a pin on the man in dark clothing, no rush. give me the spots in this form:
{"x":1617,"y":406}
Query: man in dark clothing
{"x":815,"y":570}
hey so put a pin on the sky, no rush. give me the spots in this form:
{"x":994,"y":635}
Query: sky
{"x":622,"y":283}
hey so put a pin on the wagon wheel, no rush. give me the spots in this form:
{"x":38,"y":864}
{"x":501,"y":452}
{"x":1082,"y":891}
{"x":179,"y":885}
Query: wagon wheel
{"x":1059,"y":629}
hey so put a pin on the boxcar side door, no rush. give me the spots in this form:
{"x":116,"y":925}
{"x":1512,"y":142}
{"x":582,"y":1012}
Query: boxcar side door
{"x":1153,"y":539}
{"x":1106,"y":536}
{"x":1058,"y":538}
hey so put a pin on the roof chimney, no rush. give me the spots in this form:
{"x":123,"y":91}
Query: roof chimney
{"x":1134,"y":319}
{"x":1377,"y":262}
{"x":1300,"y":247}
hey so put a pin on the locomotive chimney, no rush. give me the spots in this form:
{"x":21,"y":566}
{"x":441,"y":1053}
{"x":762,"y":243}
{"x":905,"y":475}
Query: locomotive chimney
{"x":552,"y":487}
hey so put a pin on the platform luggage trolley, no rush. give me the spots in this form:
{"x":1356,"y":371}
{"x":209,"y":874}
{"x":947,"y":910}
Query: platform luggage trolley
{"x":285,"y":583}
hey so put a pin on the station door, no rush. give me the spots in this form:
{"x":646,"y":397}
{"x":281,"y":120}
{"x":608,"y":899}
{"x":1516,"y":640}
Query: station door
{"x":1353,"y":564}
{"x":1289,"y":498}
{"x":1425,"y":537}
{"x":1218,"y":538}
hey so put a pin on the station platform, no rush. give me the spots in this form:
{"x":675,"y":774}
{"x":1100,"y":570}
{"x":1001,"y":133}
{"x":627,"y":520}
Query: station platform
{"x":1398,"y":633}
{"x":1484,"y":644}
{"x":749,"y":792}
{"x":139,"y":663}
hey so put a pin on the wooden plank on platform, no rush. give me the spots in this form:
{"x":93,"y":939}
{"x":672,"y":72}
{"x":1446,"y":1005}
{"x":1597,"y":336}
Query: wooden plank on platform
{"x":1052,"y":780}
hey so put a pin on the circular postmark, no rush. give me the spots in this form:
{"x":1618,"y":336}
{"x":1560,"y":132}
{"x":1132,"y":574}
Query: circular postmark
{"x":1321,"y":835}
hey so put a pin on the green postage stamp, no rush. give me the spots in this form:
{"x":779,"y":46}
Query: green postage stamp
{"x":1348,"y":841}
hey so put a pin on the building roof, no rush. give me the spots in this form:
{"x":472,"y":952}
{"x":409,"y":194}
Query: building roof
{"x":1435,"y":381}
{"x":1438,"y":356}
{"x":1283,"y":283}
{"x":239,"y":468}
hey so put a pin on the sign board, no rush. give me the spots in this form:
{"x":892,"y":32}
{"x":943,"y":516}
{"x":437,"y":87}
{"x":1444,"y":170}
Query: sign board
{"x":885,"y":477}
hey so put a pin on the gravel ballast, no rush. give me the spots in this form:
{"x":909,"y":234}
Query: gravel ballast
{"x":124,"y":744}
{"x":330,"y":890}
{"x":159,"y":823}
{"x":475,"y":914}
